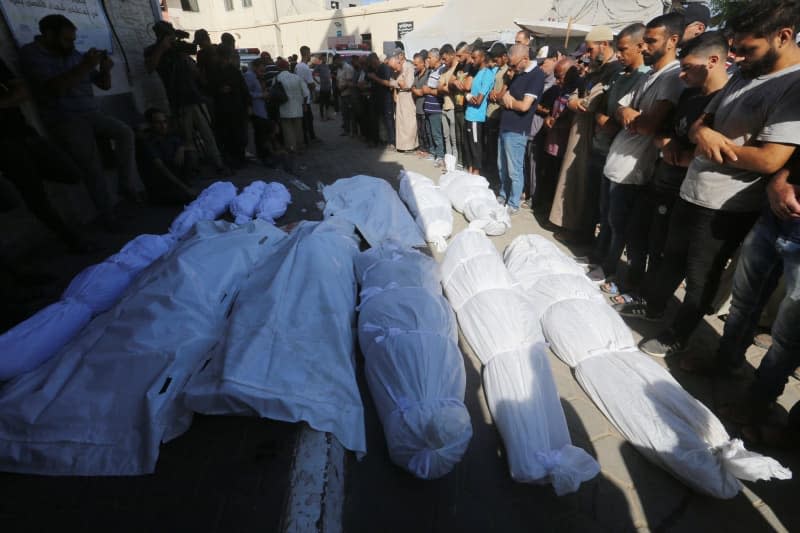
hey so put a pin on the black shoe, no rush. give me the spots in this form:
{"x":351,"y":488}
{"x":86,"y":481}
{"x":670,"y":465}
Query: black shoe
{"x":664,"y":345}
{"x":636,"y":309}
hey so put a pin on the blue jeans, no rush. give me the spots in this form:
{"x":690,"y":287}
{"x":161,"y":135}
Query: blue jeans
{"x":510,"y":164}
{"x":437,"y":135}
{"x":622,"y":200}
{"x":772,"y":247}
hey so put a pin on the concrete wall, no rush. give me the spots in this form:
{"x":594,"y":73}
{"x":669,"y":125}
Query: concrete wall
{"x":131,"y":20}
{"x":256,"y":26}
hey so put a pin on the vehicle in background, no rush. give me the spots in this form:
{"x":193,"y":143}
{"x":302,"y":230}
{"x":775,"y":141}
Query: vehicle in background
{"x":246,"y":55}
{"x":327,"y":54}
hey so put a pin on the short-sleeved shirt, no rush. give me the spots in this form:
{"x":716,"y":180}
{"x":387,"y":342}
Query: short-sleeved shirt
{"x":256,"y":94}
{"x":444,"y":79}
{"x":690,"y":106}
{"x":462,"y":72}
{"x":765,"y":109}
{"x":420,"y":81}
{"x":12,"y":121}
{"x":623,"y":83}
{"x":323,"y":72}
{"x":528,"y":83}
{"x":483,"y":83}
{"x":632,"y":157}
{"x":433,"y":103}
{"x":493,"y":110}
{"x":41,"y":65}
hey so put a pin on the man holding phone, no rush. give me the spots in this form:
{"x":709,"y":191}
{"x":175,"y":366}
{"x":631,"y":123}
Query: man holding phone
{"x":62,"y":79}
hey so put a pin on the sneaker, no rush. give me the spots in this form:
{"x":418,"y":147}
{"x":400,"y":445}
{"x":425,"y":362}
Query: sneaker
{"x":596,"y":274}
{"x":665,"y":345}
{"x":459,"y":166}
{"x":501,"y":200}
{"x":429,"y":157}
{"x":513,"y":210}
{"x":438,"y":163}
{"x":636,"y":309}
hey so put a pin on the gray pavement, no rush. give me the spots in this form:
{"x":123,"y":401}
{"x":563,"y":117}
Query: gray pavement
{"x":230,"y":474}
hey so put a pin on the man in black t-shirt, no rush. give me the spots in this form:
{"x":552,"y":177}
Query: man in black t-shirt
{"x":703,"y":72}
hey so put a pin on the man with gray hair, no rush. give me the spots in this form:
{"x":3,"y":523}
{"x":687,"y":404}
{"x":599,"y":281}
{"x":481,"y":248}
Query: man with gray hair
{"x":515,"y":123}
{"x":432,"y":106}
{"x":406,"y":111}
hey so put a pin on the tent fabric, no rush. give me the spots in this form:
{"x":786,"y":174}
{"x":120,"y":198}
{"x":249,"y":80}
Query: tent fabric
{"x":647,"y":405}
{"x":456,"y":20}
{"x":501,"y":326}
{"x":98,"y":287}
{"x":373,"y":207}
{"x":414,"y":369}
{"x":104,"y":404}
{"x":429,"y":205}
{"x":288,"y":352}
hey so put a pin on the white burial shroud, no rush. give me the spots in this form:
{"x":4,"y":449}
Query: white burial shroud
{"x":647,"y":405}
{"x":470,"y":194}
{"x":98,"y":287}
{"x":502,"y":327}
{"x":374,"y":208}
{"x":414,"y":369}
{"x":104,"y":404}
{"x":429,"y":205}
{"x":288,"y":352}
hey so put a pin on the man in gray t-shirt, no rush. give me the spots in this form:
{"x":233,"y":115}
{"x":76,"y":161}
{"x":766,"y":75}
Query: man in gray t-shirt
{"x":748,"y":133}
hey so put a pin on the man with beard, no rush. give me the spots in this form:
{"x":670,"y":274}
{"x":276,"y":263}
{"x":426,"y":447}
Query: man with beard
{"x":574,"y":204}
{"x":632,"y":156}
{"x":62,"y":79}
{"x":629,"y":54}
{"x":703,"y":71}
{"x":747,"y":133}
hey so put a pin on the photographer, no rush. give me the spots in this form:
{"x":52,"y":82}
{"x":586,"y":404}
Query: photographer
{"x":170,"y":57}
{"x":62,"y":79}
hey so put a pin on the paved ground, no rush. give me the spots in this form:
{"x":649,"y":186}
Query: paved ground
{"x":230,"y":474}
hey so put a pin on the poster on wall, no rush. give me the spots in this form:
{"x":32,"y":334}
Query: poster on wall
{"x":94,"y":31}
{"x":403,"y":28}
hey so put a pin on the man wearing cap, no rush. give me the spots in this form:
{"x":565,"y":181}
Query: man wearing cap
{"x":180,"y":80}
{"x":696,"y":16}
{"x":574,"y":204}
{"x":538,"y":179}
{"x":62,"y":80}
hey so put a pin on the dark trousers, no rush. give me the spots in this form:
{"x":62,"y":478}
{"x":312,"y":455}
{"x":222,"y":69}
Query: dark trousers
{"x":491,"y":132}
{"x":622,"y":200}
{"x":474,"y":144}
{"x":388,"y":120}
{"x":461,"y":134}
{"x":424,"y":133}
{"x":437,"y":134}
{"x":648,"y":235}
{"x":308,"y":124}
{"x":700,"y":242}
{"x":263,"y":129}
{"x":26,"y":160}
{"x":771,"y":249}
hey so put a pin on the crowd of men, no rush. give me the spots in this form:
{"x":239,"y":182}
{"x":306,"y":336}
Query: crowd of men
{"x":678,"y":143}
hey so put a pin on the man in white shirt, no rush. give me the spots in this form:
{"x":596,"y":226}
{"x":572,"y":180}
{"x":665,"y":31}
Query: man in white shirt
{"x":305,"y":71}
{"x":291,"y":110}
{"x":346,"y":82}
{"x":632,"y":156}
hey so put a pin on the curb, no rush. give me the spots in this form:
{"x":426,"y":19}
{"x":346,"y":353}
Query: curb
{"x":316,"y":484}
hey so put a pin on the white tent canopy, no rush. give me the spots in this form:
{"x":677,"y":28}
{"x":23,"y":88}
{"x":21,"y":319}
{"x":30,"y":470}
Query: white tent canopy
{"x":466,"y":20}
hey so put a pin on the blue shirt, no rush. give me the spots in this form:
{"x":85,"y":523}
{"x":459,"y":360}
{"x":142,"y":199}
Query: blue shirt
{"x":40,"y":65}
{"x":523,"y":84}
{"x":256,"y":93}
{"x":482,"y":83}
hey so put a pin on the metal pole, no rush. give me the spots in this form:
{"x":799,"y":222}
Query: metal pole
{"x":277,"y":24}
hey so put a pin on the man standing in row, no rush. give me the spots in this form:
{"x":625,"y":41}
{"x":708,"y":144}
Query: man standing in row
{"x":515,"y":123}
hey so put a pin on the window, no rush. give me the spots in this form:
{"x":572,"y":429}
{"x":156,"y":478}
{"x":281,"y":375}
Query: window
{"x":190,"y":5}
{"x":247,"y":3}
{"x":228,"y":5}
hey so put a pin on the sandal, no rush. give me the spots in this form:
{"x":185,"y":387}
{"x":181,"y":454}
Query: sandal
{"x":609,"y":287}
{"x":626,"y":298}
